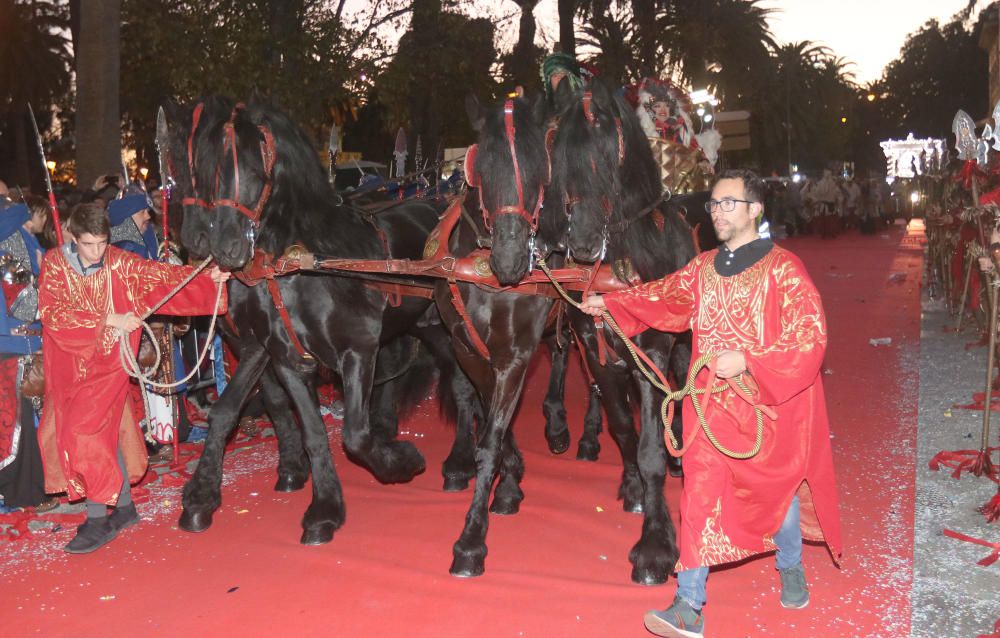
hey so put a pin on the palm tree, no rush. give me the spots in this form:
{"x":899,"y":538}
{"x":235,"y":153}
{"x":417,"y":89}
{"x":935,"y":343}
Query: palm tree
{"x":524,"y":58}
{"x":717,"y":44}
{"x":34,"y":68}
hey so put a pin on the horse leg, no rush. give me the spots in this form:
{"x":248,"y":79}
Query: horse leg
{"x":293,"y":463}
{"x":389,"y":461}
{"x":201,"y":495}
{"x":469,"y":551}
{"x":458,"y":396}
{"x":508,"y":495}
{"x":589,"y":446}
{"x":554,"y":407}
{"x":325,"y":513}
{"x":654,"y":555}
{"x":680,"y":361}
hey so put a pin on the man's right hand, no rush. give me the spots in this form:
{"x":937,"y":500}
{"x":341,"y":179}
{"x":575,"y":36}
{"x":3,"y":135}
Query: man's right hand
{"x":593,"y":305}
{"x":127,"y":322}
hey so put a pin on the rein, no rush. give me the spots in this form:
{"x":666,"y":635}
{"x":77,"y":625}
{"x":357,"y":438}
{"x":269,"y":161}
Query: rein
{"x":667,"y":407}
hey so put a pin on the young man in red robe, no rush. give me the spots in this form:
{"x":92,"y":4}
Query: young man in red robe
{"x":753,"y":305}
{"x":90,"y":296}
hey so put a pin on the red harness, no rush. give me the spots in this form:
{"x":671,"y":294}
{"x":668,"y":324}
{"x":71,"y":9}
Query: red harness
{"x":511,"y":209}
{"x":268,"y":157}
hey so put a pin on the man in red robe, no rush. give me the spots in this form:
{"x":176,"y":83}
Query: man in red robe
{"x":90,"y":295}
{"x":753,"y":305}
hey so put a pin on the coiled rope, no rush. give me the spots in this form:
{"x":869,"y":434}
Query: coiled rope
{"x":659,"y":381}
{"x":128,"y":358}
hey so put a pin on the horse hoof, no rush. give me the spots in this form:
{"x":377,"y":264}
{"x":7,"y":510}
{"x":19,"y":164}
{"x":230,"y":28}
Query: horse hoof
{"x":558,"y":443}
{"x":587,"y":452}
{"x":467,"y":566}
{"x":289,"y":483}
{"x":674,"y":468}
{"x":648,"y":577}
{"x":456,"y":483}
{"x":505,"y":506}
{"x":195,"y":521}
{"x":319,"y":535}
{"x":632,"y":507}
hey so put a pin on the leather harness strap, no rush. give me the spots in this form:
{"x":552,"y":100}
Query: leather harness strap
{"x":279,"y":304}
{"x":474,"y":338}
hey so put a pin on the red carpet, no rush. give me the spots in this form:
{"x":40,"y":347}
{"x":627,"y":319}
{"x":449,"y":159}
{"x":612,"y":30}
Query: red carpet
{"x":558,"y":568}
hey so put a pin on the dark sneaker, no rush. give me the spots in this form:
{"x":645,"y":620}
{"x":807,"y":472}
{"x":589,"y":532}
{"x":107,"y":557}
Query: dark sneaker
{"x":95,"y":533}
{"x":679,"y":620}
{"x":124,"y":516}
{"x":794,"y":592}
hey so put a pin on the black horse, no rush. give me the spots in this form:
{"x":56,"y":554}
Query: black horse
{"x":609,"y":185}
{"x":500,"y":331}
{"x":257,"y":188}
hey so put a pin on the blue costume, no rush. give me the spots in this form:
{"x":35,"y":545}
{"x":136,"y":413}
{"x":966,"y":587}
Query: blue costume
{"x":21,"y":248}
{"x":21,"y":472}
{"x":124,"y":231}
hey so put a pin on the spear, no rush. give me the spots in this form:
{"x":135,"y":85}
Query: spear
{"x":332,"y":147}
{"x":48,"y":178}
{"x":399,"y":152}
{"x":166,"y":179}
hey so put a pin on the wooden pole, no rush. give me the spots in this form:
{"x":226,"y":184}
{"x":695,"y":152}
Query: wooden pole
{"x":983,"y":466}
{"x":965,"y":291}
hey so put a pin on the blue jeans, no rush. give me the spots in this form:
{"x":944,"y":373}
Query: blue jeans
{"x":691,"y":582}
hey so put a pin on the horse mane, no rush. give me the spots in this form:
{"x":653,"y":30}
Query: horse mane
{"x":494,"y":162}
{"x":631,"y":182}
{"x":303,"y":207}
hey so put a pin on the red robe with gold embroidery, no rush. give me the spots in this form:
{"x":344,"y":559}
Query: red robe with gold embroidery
{"x":772,"y":312}
{"x":85,"y":419}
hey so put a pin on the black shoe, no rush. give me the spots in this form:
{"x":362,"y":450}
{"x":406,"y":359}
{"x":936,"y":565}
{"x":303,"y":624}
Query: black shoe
{"x":95,"y":533}
{"x":124,"y":516}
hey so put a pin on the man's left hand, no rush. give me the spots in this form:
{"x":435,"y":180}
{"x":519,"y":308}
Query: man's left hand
{"x":730,"y":363}
{"x":220,"y":276}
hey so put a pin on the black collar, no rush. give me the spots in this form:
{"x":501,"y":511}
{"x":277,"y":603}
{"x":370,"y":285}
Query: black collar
{"x":729,"y":263}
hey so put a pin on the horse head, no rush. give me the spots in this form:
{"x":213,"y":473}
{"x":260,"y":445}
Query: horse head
{"x":510,"y":167}
{"x":605,"y":176}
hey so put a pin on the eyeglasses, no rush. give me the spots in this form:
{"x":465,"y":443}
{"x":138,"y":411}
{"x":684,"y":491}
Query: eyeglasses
{"x":727,"y":204}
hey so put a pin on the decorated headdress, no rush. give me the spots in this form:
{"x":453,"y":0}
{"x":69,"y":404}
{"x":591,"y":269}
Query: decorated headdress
{"x":562,"y":63}
{"x":648,"y":92}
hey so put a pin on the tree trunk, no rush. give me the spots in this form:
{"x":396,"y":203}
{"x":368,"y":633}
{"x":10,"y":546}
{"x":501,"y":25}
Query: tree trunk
{"x":23,"y":154}
{"x":523,"y":65}
{"x":644,"y":15}
{"x":567,"y":33}
{"x":98,"y":119}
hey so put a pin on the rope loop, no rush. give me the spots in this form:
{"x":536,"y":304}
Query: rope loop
{"x":667,"y":407}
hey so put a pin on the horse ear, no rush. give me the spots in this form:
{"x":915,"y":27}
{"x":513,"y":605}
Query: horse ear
{"x":602,"y":97}
{"x":564,"y":95}
{"x":257,"y":97}
{"x":475,"y":112}
{"x":538,"y":108}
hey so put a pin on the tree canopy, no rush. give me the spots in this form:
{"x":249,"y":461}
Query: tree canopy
{"x":410,"y":63}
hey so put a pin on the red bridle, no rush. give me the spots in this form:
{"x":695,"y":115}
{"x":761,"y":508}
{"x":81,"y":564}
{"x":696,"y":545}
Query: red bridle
{"x":587,"y":113}
{"x":510,"y":209}
{"x":268,"y":157}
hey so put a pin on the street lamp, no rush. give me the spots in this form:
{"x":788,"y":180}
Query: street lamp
{"x":144,"y":172}
{"x":51,"y":165}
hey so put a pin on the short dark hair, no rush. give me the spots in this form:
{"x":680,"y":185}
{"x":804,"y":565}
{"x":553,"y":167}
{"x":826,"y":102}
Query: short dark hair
{"x":753,"y":185}
{"x":89,"y":218}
